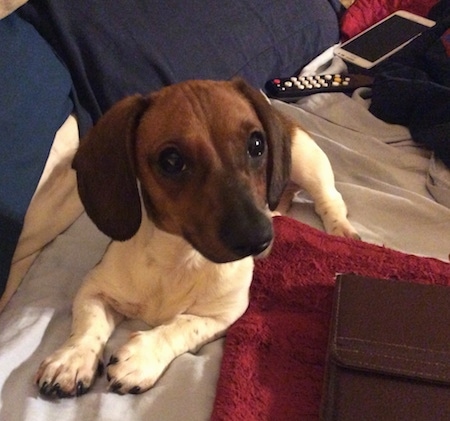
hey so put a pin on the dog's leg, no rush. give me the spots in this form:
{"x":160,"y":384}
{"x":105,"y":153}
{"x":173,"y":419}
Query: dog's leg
{"x":72,"y":369}
{"x":286,"y":199}
{"x":312,"y":171}
{"x":138,"y":364}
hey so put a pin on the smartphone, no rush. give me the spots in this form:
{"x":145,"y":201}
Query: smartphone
{"x":383,"y":39}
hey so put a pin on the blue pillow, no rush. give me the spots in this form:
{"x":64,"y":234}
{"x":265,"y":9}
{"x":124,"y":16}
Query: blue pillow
{"x":121,"y":47}
{"x":34,"y":102}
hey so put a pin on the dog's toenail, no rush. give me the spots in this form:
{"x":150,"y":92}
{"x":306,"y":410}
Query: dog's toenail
{"x":135,"y":390}
{"x":113,"y":360}
{"x":115,"y":387}
{"x":100,"y":368}
{"x":56,"y":390}
{"x":44,"y":390}
{"x":81,"y":388}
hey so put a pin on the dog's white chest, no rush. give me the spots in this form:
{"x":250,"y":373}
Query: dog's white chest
{"x":146,"y":287}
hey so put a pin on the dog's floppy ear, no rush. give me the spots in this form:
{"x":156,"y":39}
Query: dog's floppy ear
{"x":279,"y":141}
{"x":105,"y":170}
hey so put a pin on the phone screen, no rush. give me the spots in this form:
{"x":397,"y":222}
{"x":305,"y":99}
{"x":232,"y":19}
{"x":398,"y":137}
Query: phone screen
{"x":385,"y":37}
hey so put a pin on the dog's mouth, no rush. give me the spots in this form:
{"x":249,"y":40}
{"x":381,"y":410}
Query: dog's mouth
{"x":236,"y":242}
{"x":226,"y":256}
{"x":265,"y":252}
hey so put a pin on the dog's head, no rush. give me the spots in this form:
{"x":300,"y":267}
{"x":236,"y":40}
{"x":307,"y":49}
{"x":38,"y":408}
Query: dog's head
{"x":210,"y":158}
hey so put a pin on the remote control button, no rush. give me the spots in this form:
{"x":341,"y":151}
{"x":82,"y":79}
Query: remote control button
{"x":293,"y":88}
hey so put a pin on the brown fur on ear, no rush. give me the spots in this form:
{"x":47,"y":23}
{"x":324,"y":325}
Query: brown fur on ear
{"x":278,"y":131}
{"x":105,"y":170}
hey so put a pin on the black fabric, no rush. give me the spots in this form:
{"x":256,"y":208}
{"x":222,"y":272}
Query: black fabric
{"x":122,"y":47}
{"x":34,"y":102}
{"x":413,"y":87}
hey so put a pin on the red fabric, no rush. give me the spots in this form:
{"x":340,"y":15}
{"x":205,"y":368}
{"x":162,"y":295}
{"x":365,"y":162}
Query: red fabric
{"x":364,"y":13}
{"x":446,"y":42}
{"x":274,"y":356}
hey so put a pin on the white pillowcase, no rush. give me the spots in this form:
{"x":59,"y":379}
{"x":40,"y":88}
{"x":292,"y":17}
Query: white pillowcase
{"x":54,"y":207}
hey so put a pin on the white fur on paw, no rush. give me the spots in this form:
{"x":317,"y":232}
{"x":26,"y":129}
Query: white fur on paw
{"x":138,"y":364}
{"x":69,"y":371}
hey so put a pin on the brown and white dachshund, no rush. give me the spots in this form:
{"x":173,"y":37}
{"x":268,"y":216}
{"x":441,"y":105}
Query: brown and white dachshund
{"x":183,"y":181}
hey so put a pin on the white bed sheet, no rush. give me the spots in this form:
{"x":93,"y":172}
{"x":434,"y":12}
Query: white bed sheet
{"x":397,"y":195}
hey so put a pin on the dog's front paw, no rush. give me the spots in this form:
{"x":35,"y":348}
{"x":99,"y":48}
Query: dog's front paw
{"x":69,"y":371}
{"x":335,"y":221}
{"x":343,"y":229}
{"x":138,"y":364}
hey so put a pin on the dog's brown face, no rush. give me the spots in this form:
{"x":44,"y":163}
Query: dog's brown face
{"x":209,"y":156}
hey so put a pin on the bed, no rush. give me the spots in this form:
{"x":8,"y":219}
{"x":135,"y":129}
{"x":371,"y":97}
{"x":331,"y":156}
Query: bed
{"x":271,"y":363}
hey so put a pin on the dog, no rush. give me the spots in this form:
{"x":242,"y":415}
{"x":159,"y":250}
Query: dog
{"x":184,"y":181}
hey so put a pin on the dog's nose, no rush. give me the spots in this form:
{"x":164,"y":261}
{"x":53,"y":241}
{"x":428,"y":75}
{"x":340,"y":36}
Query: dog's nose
{"x":246,"y":229}
{"x":251,"y":249}
{"x":248,"y":239}
{"x":261,"y":247}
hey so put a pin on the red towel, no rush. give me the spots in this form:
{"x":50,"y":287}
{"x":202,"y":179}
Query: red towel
{"x":364,"y":13}
{"x":274,"y":357}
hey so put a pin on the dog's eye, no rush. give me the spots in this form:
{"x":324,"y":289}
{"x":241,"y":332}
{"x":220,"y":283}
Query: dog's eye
{"x":171,"y":162}
{"x":256,"y":145}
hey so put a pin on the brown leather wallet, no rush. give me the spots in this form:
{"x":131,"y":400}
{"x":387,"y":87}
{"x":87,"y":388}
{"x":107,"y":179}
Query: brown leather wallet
{"x":388,"y":352}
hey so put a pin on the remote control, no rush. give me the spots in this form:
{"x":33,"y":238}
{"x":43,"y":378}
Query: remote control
{"x":293,"y":88}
